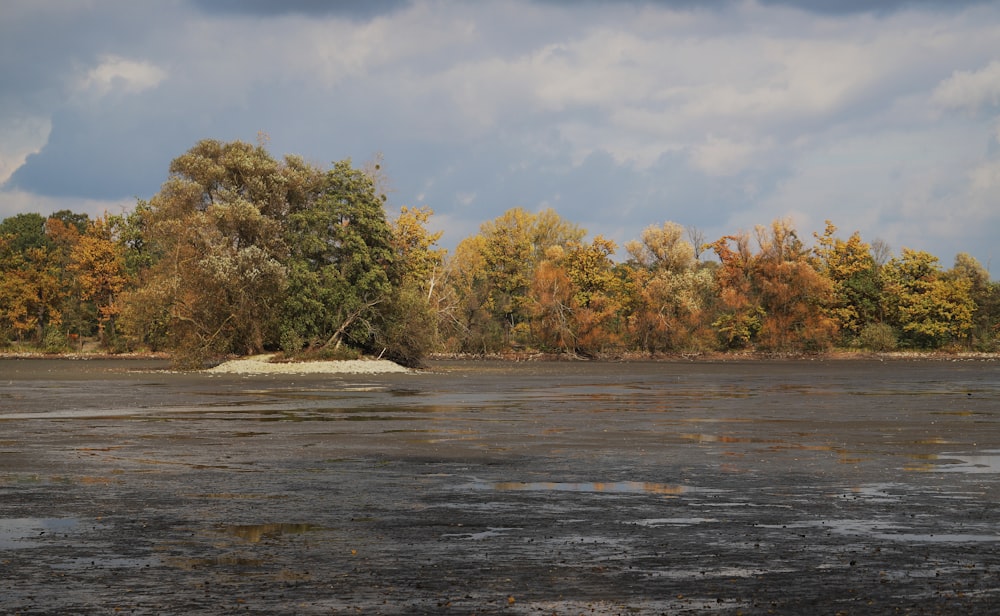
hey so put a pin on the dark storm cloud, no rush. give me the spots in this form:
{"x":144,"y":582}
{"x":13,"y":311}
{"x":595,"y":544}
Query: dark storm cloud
{"x":846,"y":7}
{"x":361,"y":10}
{"x":831,"y":7}
{"x":103,"y":155}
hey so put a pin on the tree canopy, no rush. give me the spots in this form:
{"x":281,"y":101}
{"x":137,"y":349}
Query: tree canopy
{"x":240,"y":252}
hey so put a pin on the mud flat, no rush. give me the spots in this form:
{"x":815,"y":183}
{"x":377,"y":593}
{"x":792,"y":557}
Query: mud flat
{"x":790,"y":487}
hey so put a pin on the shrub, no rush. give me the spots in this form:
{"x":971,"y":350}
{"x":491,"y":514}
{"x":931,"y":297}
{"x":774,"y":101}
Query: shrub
{"x":55,"y":341}
{"x":878,"y":337}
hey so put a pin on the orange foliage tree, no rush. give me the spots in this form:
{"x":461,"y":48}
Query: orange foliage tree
{"x":671,"y":292}
{"x":773,"y":300}
{"x":97,"y":262}
{"x":577,"y":298}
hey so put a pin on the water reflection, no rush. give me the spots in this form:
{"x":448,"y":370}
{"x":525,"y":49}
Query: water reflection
{"x":253,"y":533}
{"x":18,"y":533}
{"x":985,"y":462}
{"x":611,"y":487}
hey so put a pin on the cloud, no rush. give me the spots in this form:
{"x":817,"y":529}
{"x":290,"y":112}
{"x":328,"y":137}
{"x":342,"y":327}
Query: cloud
{"x":351,"y":9}
{"x":118,"y":74}
{"x":720,"y":156}
{"x":984,"y":182}
{"x":830,"y":7}
{"x":721,"y":114}
{"x":970,"y":89}
{"x":14,"y":201}
{"x":881,"y":7}
{"x":23,"y":136}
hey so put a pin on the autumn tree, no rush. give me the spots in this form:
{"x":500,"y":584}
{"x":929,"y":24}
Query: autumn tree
{"x":773,"y":300}
{"x":409,"y":319}
{"x":985,"y":331}
{"x":97,"y":264}
{"x":854,"y":274}
{"x":671,"y":292}
{"x":513,"y":246}
{"x":218,"y":280}
{"x":552,"y":315}
{"x":25,"y":283}
{"x":31,"y":284}
{"x":929,"y":309}
{"x":77,"y":315}
{"x":576,"y":298}
{"x":794,"y":296}
{"x":510,"y":256}
{"x":598,"y":295}
{"x":462,"y":301}
{"x":739,"y":316}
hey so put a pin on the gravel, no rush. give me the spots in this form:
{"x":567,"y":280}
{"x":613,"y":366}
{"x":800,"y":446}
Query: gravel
{"x":262,"y":364}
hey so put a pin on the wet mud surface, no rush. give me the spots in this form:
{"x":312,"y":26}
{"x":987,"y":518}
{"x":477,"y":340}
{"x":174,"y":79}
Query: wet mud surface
{"x":854,"y":487}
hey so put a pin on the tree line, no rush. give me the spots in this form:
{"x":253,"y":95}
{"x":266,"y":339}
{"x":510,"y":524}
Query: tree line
{"x":240,"y":252}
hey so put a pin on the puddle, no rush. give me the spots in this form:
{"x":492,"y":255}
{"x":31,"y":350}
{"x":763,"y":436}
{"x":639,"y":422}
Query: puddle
{"x":486,"y":534}
{"x":253,"y":533}
{"x":655,"y":522}
{"x":714,"y":572}
{"x":600,"y":487}
{"x":114,"y":562}
{"x":19,"y":533}
{"x":986,"y":462}
{"x":875,"y":493}
{"x":235,"y":495}
{"x":888,"y":531}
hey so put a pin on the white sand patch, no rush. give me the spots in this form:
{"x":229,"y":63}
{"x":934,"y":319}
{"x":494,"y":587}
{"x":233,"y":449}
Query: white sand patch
{"x":261,"y":364}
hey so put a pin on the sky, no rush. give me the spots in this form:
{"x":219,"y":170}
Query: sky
{"x":882,"y":117}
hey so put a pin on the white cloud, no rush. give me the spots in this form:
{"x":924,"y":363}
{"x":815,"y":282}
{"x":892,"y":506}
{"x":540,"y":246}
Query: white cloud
{"x":16,"y":201}
{"x":23,"y":136}
{"x":738,"y":115}
{"x":984,"y":182}
{"x":970,"y":89}
{"x":118,"y":74}
{"x":465,"y":199}
{"x":719,"y":156}
{"x":909,"y":188}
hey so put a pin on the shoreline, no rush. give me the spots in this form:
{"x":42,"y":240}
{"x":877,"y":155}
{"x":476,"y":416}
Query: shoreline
{"x":717,"y":356}
{"x":263,"y":364}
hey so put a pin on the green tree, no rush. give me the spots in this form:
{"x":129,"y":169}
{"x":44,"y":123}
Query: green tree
{"x":23,"y":232}
{"x":930,"y":309}
{"x":339,"y":269}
